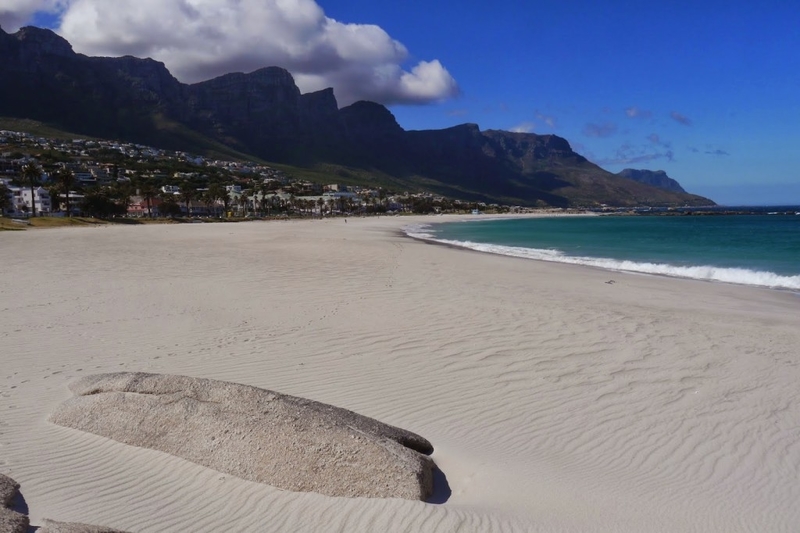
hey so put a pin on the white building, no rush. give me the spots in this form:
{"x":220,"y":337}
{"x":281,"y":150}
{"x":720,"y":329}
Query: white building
{"x":21,"y":200}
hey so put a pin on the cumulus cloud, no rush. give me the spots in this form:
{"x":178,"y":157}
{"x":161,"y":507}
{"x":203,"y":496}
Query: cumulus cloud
{"x":635,"y":112}
{"x":681,"y":119}
{"x":606,"y":129}
{"x":201,"y":39}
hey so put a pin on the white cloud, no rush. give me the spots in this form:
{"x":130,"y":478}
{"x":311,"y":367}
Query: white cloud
{"x":635,"y":112}
{"x":16,"y":13}
{"x":201,"y":39}
{"x":547,"y":119}
{"x":525,"y":127}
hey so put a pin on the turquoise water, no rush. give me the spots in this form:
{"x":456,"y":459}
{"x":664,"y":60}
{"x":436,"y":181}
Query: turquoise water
{"x":762,"y":250}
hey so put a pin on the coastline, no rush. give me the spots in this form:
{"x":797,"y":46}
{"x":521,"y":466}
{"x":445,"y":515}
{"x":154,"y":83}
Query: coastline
{"x":700,"y":271}
{"x":554,"y":401}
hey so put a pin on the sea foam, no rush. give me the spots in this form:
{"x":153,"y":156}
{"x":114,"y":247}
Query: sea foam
{"x":741,"y":276}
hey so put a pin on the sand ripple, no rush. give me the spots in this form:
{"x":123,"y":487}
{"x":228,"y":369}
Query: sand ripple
{"x":556,"y":402}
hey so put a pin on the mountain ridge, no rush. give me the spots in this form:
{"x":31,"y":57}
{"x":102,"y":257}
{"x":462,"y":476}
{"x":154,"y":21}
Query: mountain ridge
{"x":263,"y":113}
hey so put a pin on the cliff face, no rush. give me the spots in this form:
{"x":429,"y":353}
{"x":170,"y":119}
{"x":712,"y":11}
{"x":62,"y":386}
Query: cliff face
{"x":368,"y":121}
{"x":263,"y":113}
{"x":44,"y":79}
{"x":248,"y":110}
{"x":656,"y":178}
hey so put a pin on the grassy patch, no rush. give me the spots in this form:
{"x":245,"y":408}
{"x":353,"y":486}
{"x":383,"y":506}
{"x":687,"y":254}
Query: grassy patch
{"x":39,"y":129}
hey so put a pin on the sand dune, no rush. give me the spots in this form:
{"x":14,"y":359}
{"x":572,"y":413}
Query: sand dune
{"x":554,"y":401}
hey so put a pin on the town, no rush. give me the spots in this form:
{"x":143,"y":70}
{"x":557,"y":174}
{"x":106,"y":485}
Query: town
{"x":42,"y":176}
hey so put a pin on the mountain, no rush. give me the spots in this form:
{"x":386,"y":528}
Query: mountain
{"x":656,"y":178}
{"x":263,"y":114}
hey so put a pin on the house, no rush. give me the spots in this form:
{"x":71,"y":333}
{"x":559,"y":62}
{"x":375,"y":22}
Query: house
{"x":59,"y":203}
{"x":138,"y":206}
{"x":21,"y":201}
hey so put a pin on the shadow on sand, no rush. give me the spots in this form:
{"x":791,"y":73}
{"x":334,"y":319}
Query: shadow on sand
{"x":441,"y":488}
{"x":21,"y":506}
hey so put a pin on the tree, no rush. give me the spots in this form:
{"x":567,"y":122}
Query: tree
{"x":100,"y":203}
{"x":121,"y":192}
{"x":32,"y":174}
{"x":188,"y":195}
{"x":149,"y":192}
{"x":5,"y":198}
{"x":208,"y":200}
{"x":244,"y":201}
{"x":217,"y":192}
{"x":65,"y":179}
{"x":169,"y":206}
{"x":263,"y":200}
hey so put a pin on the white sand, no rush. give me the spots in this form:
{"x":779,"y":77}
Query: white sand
{"x":555,"y":401}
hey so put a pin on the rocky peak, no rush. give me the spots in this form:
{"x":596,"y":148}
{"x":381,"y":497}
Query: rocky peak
{"x":145,"y":76}
{"x":275,"y":76}
{"x":238,"y":95}
{"x":656,"y":178}
{"x":320,"y":117}
{"x":320,"y":102}
{"x":530,"y":146}
{"x":368,"y":119}
{"x":41,"y":41}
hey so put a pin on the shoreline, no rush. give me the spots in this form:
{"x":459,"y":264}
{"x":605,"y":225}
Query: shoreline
{"x":612,"y":265}
{"x":554,"y":401}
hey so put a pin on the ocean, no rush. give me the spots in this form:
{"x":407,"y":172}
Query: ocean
{"x":749,"y":249}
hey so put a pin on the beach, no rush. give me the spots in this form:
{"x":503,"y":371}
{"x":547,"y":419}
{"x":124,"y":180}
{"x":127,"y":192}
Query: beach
{"x":557,"y":397}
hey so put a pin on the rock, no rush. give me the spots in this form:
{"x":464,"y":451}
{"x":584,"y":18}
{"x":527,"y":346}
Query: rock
{"x":262,"y":113}
{"x":366,"y":121}
{"x":10,"y":521}
{"x":51,"y":526}
{"x":656,"y":178}
{"x":255,"y":434}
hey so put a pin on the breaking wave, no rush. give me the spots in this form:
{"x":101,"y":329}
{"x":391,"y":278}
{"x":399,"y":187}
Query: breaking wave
{"x":741,"y":276}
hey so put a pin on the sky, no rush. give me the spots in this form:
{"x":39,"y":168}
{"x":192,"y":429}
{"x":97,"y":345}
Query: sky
{"x":707,"y":91}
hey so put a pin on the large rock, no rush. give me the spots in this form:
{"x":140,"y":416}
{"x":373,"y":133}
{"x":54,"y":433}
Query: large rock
{"x":255,"y":434}
{"x":10,"y":521}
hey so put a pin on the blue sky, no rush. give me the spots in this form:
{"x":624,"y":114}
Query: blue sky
{"x":707,"y":91}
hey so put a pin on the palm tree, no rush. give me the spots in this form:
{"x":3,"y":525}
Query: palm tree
{"x":121,"y":192}
{"x":226,"y":200}
{"x":5,"y":200}
{"x":263,"y":203}
{"x":32,"y":173}
{"x":244,"y":200}
{"x":218,"y":192}
{"x":65,"y":179}
{"x":169,"y":206}
{"x":188,"y":194}
{"x":149,"y":192}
